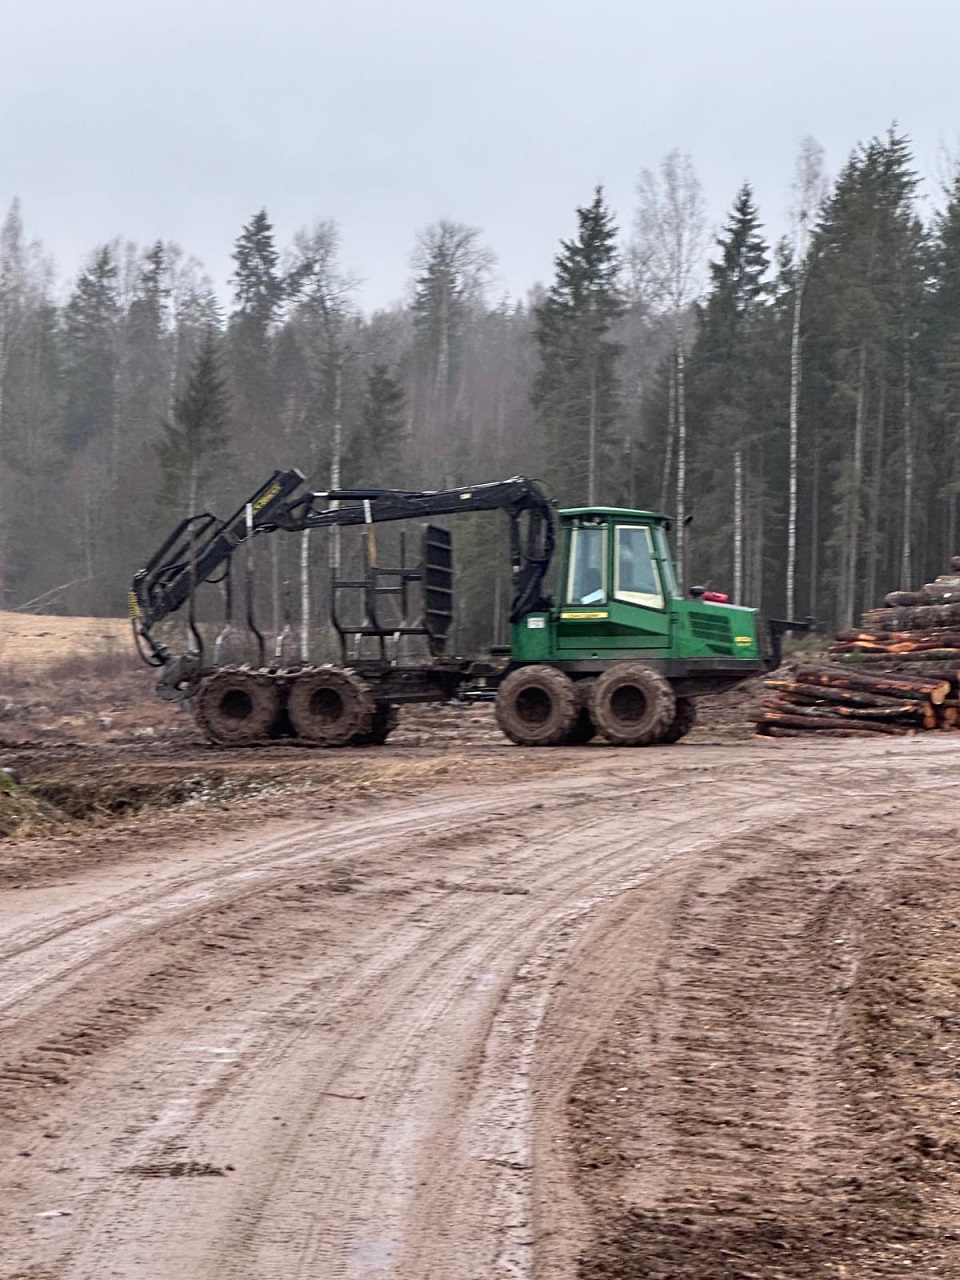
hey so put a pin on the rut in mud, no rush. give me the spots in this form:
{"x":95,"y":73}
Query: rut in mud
{"x":682,"y":1012}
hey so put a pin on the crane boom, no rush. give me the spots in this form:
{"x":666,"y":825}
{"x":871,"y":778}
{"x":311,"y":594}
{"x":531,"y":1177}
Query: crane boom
{"x":201,"y":546}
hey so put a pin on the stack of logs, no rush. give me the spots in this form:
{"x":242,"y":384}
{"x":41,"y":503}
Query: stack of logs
{"x":898,"y":674}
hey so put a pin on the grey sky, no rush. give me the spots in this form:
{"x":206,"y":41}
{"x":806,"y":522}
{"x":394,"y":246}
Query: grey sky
{"x":180,"y":120}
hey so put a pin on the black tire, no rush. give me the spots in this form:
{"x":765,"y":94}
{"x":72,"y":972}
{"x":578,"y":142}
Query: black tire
{"x":683,"y":721}
{"x":237,"y":708}
{"x":632,"y":705}
{"x":385,"y":719}
{"x":330,"y":707}
{"x":583,"y":730}
{"x":536,"y":706}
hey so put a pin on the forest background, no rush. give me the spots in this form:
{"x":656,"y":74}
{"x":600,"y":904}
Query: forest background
{"x":801,"y":400}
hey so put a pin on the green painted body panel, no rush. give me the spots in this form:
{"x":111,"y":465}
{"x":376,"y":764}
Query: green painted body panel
{"x":611,"y":628}
{"x":533,"y":639}
{"x":685,"y":629}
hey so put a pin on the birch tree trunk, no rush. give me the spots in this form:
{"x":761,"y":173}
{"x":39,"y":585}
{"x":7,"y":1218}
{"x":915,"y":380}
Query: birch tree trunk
{"x":809,"y":188}
{"x":592,"y":437}
{"x":681,"y":465}
{"x":305,"y":596}
{"x":737,"y":526}
{"x":670,"y":235}
{"x":671,"y":435}
{"x":13,"y":288}
{"x":795,"y":371}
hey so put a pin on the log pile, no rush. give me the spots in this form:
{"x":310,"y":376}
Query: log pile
{"x":898,"y":674}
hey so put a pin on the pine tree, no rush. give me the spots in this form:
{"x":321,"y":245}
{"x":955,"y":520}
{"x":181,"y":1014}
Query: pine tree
{"x":192,"y":449}
{"x":576,"y":390}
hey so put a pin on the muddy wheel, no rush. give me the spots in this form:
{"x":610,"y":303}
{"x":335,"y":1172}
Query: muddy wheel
{"x":235,"y":708}
{"x":583,"y":729}
{"x":536,"y":706}
{"x":685,"y":717}
{"x":632,"y":705}
{"x":330,"y":706}
{"x":385,"y":719}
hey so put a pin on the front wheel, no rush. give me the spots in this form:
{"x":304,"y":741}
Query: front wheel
{"x":632,"y":705}
{"x":536,"y":706}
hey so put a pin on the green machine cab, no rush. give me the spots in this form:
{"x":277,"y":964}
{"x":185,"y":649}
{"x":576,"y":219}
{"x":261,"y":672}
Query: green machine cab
{"x":618,"y":598}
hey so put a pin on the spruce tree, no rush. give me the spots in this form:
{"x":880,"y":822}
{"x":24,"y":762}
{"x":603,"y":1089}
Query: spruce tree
{"x":192,"y":449}
{"x":90,"y":352}
{"x":375,"y":455}
{"x":259,"y":293}
{"x":730,"y":410}
{"x":865,"y":291}
{"x":258,"y":285}
{"x":145,"y":368}
{"x":452,"y":269}
{"x":576,"y":391}
{"x":940,"y":360}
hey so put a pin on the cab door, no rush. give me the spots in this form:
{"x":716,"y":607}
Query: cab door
{"x":614,"y":601}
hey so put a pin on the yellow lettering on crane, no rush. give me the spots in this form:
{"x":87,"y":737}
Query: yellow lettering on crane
{"x":264,"y":498}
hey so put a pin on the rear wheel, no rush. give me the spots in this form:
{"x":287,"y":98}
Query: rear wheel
{"x":330,"y":707}
{"x":536,"y":706}
{"x":236,"y":708}
{"x":385,"y":718}
{"x":683,"y":721}
{"x":632,"y":705}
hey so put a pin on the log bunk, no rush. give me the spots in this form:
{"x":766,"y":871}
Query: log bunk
{"x":899,"y":674}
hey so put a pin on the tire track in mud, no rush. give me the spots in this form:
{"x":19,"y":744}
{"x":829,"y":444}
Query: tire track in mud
{"x":391,"y":1077}
{"x":403,"y":1041}
{"x":716,"y":1129}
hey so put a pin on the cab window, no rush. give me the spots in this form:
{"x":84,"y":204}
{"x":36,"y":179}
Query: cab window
{"x":666,"y":564}
{"x":586,"y":577}
{"x":636,"y":576}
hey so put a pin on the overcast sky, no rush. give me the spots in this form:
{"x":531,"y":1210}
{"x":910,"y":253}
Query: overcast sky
{"x":179,"y":120}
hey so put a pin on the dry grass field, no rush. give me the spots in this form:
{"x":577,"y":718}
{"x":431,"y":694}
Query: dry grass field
{"x":34,"y":642}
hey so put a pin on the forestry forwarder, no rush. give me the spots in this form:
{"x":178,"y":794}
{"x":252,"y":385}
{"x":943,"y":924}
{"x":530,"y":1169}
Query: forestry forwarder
{"x":623,"y":653}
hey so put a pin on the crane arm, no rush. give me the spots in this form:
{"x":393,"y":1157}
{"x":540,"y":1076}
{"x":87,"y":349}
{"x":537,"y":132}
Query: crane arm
{"x":201,"y":546}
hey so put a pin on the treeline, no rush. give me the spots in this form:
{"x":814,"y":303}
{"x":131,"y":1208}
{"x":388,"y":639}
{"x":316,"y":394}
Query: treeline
{"x":799,"y":400}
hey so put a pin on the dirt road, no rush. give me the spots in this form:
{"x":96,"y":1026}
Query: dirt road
{"x":684,"y":1012}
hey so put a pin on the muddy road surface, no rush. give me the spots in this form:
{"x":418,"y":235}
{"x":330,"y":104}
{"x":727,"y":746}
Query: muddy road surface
{"x":688,"y":1012}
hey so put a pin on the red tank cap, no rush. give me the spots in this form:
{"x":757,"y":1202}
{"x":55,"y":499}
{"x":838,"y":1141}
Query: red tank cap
{"x":716,"y":597}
